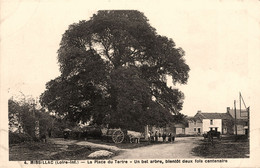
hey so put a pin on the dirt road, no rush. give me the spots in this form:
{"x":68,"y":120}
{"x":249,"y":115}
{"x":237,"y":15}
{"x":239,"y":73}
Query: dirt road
{"x":181,"y":148}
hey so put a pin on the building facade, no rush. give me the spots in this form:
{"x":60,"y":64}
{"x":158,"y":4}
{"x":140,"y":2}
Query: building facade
{"x":241,"y":120}
{"x":194,"y":126}
{"x":203,"y":122}
{"x":225,"y":123}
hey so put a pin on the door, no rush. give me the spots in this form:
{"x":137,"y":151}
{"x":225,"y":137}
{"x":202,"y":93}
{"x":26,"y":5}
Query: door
{"x":246,"y":131}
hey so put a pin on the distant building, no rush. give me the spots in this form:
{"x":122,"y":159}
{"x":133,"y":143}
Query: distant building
{"x":174,"y":128}
{"x":194,"y":126}
{"x":241,"y":120}
{"x":221,"y":122}
{"x":203,"y":122}
{"x":179,"y":128}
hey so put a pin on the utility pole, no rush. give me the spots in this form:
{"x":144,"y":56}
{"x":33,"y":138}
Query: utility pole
{"x":248,"y":123}
{"x":247,"y":109}
{"x":235,"y":117}
{"x":240,"y":102}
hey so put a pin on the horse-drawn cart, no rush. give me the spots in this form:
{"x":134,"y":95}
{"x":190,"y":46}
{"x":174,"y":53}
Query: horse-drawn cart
{"x":119,"y":135}
{"x":116,"y":135}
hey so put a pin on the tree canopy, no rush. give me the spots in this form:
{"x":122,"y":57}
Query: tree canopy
{"x":113,"y":71}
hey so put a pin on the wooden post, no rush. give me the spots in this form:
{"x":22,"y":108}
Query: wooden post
{"x":37,"y":129}
{"x":248,"y":123}
{"x":37,"y":124}
{"x":248,"y":115}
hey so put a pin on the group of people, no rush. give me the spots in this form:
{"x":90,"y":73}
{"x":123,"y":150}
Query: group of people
{"x":158,"y":137}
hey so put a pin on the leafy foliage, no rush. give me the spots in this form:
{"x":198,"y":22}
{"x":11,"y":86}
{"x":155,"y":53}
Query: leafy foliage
{"x":13,"y":112}
{"x":24,"y":114}
{"x":21,"y":116}
{"x":18,"y":138}
{"x":113,"y":71}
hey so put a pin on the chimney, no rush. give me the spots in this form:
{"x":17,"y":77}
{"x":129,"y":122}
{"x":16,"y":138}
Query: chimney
{"x":228,"y":109}
{"x":199,"y":111}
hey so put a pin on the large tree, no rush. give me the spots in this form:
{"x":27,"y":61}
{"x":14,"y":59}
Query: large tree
{"x":114,"y":69}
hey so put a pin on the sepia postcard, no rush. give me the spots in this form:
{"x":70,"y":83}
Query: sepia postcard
{"x":112,"y":83}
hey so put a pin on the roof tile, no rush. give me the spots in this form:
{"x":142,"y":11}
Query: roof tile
{"x":215,"y":115}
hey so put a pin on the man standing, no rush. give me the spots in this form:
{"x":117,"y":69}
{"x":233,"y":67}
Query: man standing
{"x":156,"y":136}
{"x":164,"y":136}
{"x":170,"y":137}
{"x":152,"y":137}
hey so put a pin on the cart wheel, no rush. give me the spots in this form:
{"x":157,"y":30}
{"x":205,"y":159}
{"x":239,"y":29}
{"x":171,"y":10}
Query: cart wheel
{"x":118,"y":136}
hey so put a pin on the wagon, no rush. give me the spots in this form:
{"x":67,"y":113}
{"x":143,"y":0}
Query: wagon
{"x":121,"y":135}
{"x":116,"y":135}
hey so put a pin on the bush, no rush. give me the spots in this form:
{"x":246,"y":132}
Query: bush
{"x":57,"y":133}
{"x":236,"y":138}
{"x":75,"y":134}
{"x":18,"y":138}
{"x":91,"y":132}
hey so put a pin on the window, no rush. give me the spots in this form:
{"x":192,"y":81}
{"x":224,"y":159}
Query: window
{"x":195,"y":129}
{"x":211,"y":122}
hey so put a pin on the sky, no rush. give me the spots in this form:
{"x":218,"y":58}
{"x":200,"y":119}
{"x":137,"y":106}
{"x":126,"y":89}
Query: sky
{"x":220,"y":39}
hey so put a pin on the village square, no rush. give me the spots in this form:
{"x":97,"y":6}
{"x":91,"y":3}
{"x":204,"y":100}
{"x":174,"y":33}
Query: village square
{"x":112,"y":100}
{"x":140,"y":83}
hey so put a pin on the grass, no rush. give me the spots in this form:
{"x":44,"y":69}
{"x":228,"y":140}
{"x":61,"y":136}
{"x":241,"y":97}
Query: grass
{"x":31,"y":151}
{"x":48,"y":151}
{"x":73,"y":152}
{"x":227,"y":147}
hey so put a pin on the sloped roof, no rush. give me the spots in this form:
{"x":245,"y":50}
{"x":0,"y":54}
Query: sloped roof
{"x":194,"y":119}
{"x":190,"y":118}
{"x":180,"y":125}
{"x":214,"y":115}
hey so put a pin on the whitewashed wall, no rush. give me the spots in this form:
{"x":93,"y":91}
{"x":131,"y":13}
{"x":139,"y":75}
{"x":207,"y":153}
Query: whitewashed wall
{"x":216,"y":123}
